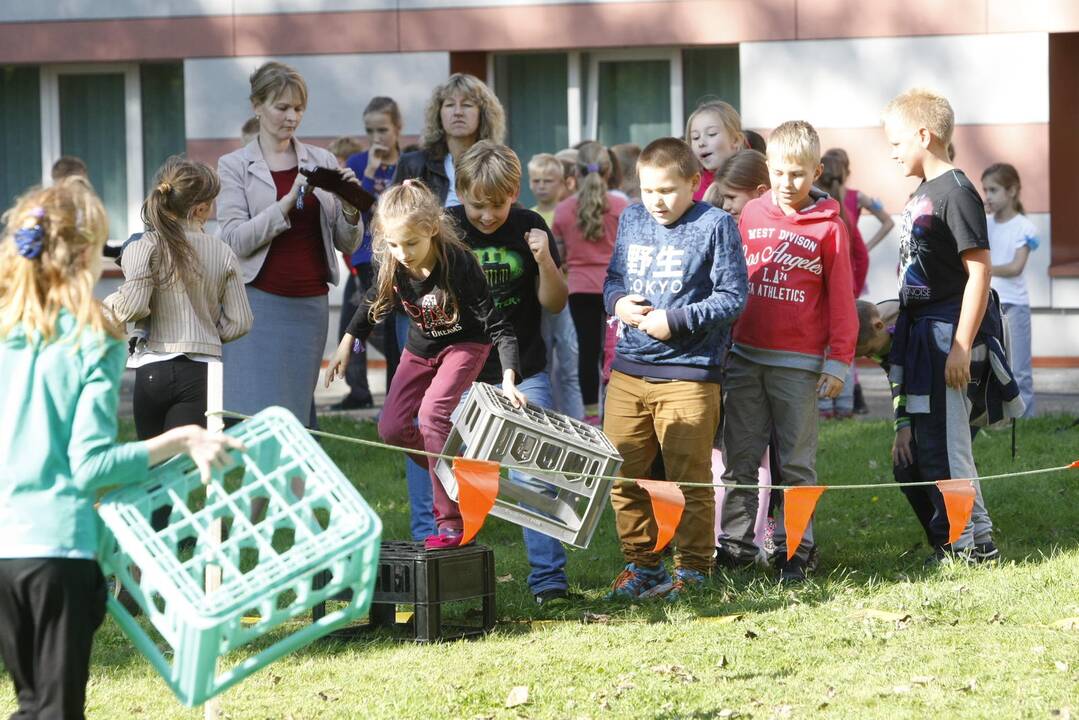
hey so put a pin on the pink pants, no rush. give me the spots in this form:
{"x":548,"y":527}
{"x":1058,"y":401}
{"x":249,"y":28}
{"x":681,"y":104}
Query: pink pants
{"x":764,"y":477}
{"x":428,"y":389}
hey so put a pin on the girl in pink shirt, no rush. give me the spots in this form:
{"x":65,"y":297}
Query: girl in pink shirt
{"x":586,"y":224}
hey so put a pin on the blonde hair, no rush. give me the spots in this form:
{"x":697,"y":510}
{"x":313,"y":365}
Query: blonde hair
{"x":795,"y":141}
{"x":345,"y":147}
{"x":492,"y":118}
{"x":273,"y":78}
{"x":593,"y":169}
{"x":488,"y":172}
{"x":414,"y":205}
{"x":179,"y":185}
{"x":920,"y":108}
{"x":546,"y":161}
{"x":58,"y":272}
{"x":728,"y":116}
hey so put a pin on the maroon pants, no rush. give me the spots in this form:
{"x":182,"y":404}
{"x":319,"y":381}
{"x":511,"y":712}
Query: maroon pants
{"x":429,"y":389}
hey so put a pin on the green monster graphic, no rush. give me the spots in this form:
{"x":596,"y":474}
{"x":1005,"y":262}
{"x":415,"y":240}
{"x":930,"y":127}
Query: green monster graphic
{"x":503,"y":267}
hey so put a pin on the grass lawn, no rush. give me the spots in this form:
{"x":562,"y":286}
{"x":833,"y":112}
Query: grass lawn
{"x":873,"y":635}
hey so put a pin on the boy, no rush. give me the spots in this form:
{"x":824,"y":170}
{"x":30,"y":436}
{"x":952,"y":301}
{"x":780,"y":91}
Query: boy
{"x":676,"y":281}
{"x":943,"y":293}
{"x":793,"y":343}
{"x":546,"y":179}
{"x":517,"y":253}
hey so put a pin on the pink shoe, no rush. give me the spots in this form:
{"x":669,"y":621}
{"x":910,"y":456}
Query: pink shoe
{"x":444,"y":540}
{"x":594,"y":420}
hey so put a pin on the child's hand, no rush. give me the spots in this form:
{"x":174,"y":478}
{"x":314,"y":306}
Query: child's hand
{"x":209,"y":450}
{"x":509,"y":389}
{"x":655,"y":324}
{"x":339,"y":361}
{"x":901,"y":450}
{"x":631,"y":309}
{"x":829,"y":386}
{"x":957,"y":369}
{"x":538,"y":244}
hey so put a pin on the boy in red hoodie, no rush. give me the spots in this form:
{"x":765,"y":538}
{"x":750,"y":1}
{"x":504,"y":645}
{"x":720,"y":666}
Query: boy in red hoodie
{"x":793,"y":343}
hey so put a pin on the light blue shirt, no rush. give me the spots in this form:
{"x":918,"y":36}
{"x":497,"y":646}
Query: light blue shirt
{"x":451,"y":173}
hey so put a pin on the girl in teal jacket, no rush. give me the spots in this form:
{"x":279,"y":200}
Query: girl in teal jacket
{"x":61,"y":364}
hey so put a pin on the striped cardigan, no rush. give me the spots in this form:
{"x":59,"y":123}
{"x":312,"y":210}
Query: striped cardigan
{"x":212,"y":310}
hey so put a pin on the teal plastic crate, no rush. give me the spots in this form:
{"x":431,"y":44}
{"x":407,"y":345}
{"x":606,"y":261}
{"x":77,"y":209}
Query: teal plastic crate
{"x":296,"y":534}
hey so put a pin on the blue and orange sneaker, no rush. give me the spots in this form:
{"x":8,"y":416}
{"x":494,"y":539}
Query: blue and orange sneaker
{"x":685,"y":580}
{"x":638,"y":583}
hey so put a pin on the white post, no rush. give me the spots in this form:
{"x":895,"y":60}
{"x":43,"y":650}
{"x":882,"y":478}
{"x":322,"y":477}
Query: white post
{"x":215,"y":402}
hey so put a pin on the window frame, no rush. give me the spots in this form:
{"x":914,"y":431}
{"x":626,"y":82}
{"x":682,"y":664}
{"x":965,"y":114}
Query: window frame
{"x":672,"y":55}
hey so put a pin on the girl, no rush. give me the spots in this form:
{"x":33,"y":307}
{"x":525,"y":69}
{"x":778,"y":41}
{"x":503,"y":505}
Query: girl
{"x":61,"y":362}
{"x":854,"y":202}
{"x":714,"y":131}
{"x":586,"y":225}
{"x":741,"y":178}
{"x":186,"y":287}
{"x":1012,"y":237}
{"x":427,"y":270}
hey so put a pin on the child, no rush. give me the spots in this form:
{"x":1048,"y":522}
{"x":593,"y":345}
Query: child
{"x":742,"y":177}
{"x":794,"y":341}
{"x":1012,"y":237}
{"x":427,"y":270}
{"x":185,"y":288}
{"x":519,"y":258}
{"x":876,"y":326}
{"x":943,"y":291}
{"x":546,"y":179}
{"x":676,"y":281}
{"x":855,"y":201}
{"x":61,"y":362}
{"x":587,"y":223}
{"x":714,"y":131}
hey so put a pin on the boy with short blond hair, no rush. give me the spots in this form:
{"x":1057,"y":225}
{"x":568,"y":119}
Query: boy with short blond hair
{"x":547,"y":181}
{"x":793,"y":343}
{"x":676,"y":282}
{"x":516,"y":250}
{"x":943,"y":293}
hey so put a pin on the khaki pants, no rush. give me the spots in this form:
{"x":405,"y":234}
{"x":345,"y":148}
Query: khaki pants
{"x":678,"y":418}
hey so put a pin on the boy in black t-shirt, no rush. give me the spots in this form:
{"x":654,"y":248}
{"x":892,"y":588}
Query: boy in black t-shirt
{"x":943,"y":291}
{"x":518,"y":254}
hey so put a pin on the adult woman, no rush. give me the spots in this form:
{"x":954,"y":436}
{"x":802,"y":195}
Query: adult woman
{"x":285,"y":248}
{"x":462,"y":111}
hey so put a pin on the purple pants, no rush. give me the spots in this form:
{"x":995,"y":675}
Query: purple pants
{"x":428,"y":389}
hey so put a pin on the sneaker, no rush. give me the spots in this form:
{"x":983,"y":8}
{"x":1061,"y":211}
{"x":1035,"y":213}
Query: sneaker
{"x":444,"y":540}
{"x":946,"y":555}
{"x":727,"y":560}
{"x":770,"y":537}
{"x":791,"y":571}
{"x":638,"y":583}
{"x":554,"y":596}
{"x":814,"y":559}
{"x":685,"y":579}
{"x":985,"y":552}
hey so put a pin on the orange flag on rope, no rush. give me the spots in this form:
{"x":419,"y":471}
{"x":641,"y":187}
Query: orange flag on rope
{"x":798,"y":504}
{"x":477,"y":487}
{"x":668,"y":502}
{"x":958,"y":501}
{"x":1075,"y":464}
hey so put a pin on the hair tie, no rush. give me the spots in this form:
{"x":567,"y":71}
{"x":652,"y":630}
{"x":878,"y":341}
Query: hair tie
{"x":29,"y":238}
{"x":411,"y":182}
{"x":592,"y":167}
{"x":164,"y":187}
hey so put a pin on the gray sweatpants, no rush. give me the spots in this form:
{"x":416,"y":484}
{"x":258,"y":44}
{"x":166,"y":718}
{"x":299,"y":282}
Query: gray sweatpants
{"x":758,"y":398}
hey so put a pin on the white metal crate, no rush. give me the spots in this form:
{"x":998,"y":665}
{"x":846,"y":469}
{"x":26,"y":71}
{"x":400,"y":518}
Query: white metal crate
{"x":565,"y":453}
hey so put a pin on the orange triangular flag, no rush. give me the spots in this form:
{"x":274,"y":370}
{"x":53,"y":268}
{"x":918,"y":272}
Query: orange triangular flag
{"x":798,"y":504}
{"x":668,"y":502}
{"x":477,"y":487}
{"x":1075,"y":464}
{"x":958,"y":501}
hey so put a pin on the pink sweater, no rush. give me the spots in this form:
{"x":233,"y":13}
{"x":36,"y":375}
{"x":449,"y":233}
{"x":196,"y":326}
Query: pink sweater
{"x":586,"y":260}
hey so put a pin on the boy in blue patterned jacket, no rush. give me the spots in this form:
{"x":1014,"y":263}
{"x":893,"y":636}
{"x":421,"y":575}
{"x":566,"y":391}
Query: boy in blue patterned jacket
{"x":676,"y":282}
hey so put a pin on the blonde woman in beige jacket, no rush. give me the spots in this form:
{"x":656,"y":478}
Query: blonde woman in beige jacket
{"x":284,"y":238}
{"x":184,"y":290}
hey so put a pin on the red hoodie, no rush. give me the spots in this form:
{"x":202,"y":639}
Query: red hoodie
{"x":800,"y":308}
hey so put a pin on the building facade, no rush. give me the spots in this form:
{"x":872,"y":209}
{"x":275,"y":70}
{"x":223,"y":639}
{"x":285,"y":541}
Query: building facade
{"x":125,"y":83}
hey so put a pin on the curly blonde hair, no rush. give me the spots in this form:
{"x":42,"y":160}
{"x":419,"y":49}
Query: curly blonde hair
{"x":492,"y":117}
{"x":60,"y":272}
{"x":593,"y":169}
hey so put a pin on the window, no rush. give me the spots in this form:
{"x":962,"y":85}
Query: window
{"x":20,"y":131}
{"x":634,"y":95}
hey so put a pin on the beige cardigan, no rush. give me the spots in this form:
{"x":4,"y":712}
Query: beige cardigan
{"x":212,"y":310}
{"x":249,"y":218}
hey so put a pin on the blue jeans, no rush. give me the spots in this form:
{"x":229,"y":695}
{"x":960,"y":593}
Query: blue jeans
{"x":420,"y":497}
{"x":1018,"y":319}
{"x":560,"y":337}
{"x":546,"y":556}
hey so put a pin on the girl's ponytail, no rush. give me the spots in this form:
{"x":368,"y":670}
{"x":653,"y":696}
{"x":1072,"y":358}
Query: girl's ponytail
{"x":1008,"y":177}
{"x":593,"y":169}
{"x":179,"y":186}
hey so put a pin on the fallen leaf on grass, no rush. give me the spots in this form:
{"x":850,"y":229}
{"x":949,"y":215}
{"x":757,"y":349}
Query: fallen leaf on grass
{"x":728,"y":714}
{"x":590,"y":618}
{"x":922,"y":679}
{"x":328,"y":696}
{"x":517,"y":696}
{"x":722,"y":662}
{"x":1062,"y":713}
{"x":750,"y":635}
{"x":720,"y":619}
{"x":504,"y":578}
{"x":997,"y":619}
{"x":1061,"y":666}
{"x":676,"y":671}
{"x":1071,"y":623}
{"x":883,"y":615}
{"x":971,"y":686}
